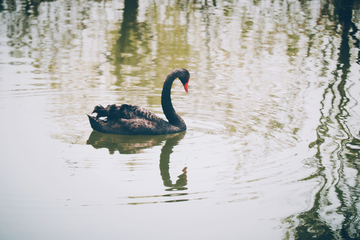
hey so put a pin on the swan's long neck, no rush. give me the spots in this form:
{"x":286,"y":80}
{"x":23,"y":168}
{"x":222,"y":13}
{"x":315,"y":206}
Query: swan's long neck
{"x":166,"y":103}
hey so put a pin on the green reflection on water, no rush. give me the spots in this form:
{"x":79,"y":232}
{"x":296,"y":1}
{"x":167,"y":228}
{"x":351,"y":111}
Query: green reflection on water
{"x":141,"y":48}
{"x":334,"y":213}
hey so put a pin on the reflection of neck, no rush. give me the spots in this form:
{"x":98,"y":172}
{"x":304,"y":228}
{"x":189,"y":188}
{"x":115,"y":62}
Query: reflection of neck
{"x":166,"y":103}
{"x":166,"y":150}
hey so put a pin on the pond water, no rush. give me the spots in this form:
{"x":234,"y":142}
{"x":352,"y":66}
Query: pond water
{"x":272,"y":147}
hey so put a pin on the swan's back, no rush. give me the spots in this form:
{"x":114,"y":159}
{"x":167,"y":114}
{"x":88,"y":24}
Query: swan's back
{"x":133,"y":112}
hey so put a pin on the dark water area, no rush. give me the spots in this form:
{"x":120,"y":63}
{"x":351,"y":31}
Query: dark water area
{"x":272,"y":146}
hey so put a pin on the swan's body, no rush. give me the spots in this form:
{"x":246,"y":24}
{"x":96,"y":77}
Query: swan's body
{"x":133,"y":120}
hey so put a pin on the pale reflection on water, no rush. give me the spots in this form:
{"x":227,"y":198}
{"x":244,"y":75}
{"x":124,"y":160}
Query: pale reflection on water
{"x":272,"y":113}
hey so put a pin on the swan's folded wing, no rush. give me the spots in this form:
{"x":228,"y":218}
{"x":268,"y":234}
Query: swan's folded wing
{"x":134,"y":112}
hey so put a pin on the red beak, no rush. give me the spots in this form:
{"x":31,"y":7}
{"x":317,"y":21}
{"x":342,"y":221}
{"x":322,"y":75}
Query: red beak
{"x":186,"y":86}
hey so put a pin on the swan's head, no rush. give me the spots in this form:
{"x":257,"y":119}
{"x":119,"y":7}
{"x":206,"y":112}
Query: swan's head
{"x":184,"y":77}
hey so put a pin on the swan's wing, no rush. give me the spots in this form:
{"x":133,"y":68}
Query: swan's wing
{"x":134,"y":112}
{"x":124,"y":111}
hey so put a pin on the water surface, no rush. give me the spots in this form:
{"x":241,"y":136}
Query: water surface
{"x":273,"y":139}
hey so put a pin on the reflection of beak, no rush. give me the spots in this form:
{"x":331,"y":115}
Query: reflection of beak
{"x":186,"y":87}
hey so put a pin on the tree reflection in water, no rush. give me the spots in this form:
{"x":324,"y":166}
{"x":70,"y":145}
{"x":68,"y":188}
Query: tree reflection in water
{"x":335,"y":210}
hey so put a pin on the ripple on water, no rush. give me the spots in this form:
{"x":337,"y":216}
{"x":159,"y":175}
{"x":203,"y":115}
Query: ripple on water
{"x":176,"y":197}
{"x":227,"y":169}
{"x":206,"y":163}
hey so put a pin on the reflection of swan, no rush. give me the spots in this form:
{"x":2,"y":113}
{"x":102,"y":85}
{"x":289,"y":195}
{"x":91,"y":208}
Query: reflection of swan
{"x":164,"y":164}
{"x":126,"y":144}
{"x":133,"y":120}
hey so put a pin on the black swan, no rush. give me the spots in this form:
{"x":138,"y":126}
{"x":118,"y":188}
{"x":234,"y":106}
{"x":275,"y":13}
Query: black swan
{"x":133,"y":120}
